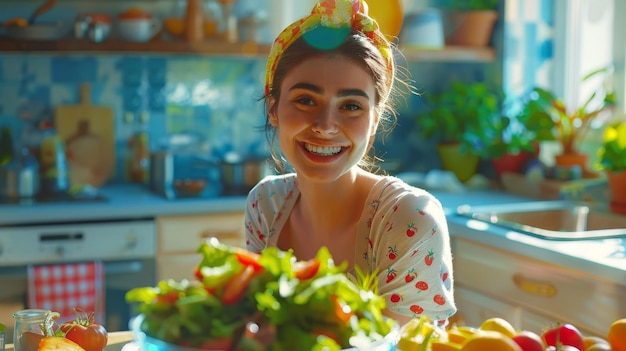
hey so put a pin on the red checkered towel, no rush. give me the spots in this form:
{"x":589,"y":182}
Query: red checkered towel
{"x":63,"y":287}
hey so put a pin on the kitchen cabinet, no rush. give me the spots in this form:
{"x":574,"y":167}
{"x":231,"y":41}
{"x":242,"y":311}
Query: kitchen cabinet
{"x":531,"y":293}
{"x":178,"y":238}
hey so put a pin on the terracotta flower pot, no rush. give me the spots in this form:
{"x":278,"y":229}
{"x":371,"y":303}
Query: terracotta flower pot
{"x":473,"y":28}
{"x":511,"y":162}
{"x":617,"y":187}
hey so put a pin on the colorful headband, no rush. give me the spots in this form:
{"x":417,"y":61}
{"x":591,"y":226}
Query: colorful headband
{"x":329,"y":14}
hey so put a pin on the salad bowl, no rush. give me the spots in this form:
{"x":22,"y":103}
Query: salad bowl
{"x":262,"y":301}
{"x":144,"y":342}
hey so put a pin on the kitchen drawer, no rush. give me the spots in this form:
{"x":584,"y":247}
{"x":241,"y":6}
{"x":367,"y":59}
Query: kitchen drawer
{"x":558,"y":293}
{"x":183,"y":234}
{"x":177,"y":267}
{"x":473,"y":308}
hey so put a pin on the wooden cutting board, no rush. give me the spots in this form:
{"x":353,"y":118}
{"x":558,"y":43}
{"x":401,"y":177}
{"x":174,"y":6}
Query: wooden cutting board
{"x":89,"y":135}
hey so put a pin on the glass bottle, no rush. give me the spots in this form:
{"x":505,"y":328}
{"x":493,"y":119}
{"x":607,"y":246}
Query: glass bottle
{"x":28,"y":321}
{"x":53,"y":163}
{"x":138,"y":162}
{"x":6,"y":146}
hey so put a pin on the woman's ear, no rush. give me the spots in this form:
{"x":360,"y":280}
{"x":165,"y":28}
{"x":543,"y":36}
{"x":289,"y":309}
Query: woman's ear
{"x":271,"y":111}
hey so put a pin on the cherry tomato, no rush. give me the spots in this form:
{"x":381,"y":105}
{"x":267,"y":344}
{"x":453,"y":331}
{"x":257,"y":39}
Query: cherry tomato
{"x":249,"y":258}
{"x":306,"y":269}
{"x":565,"y":334}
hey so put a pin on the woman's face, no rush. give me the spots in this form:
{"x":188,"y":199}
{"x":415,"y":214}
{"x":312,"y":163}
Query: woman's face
{"x":326,"y":116}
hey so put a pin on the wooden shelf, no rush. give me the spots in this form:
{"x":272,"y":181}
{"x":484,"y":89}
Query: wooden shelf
{"x":450,"y":54}
{"x":119,"y":46}
{"x":214,"y":47}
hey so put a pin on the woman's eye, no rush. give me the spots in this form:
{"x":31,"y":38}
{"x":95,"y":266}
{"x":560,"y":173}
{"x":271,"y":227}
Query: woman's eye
{"x":305,"y":100}
{"x":352,"y":107}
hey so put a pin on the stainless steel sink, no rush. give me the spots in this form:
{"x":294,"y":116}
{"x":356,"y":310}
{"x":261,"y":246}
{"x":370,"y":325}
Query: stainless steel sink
{"x":553,"y":220}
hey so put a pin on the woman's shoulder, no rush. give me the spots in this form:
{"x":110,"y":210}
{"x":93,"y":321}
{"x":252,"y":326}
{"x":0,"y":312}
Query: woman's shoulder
{"x":273,"y":185}
{"x":390,"y":189}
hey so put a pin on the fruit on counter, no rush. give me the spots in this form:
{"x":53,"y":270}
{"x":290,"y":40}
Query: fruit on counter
{"x":90,"y":335}
{"x":617,"y":335}
{"x":528,"y":341}
{"x":564,"y":334}
{"x":418,"y":334}
{"x":15,"y":22}
{"x":269,"y":300}
{"x":498,"y":324}
{"x":58,"y":343}
{"x":490,"y":340}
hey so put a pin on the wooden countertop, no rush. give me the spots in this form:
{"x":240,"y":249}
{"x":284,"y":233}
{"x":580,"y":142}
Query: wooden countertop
{"x":117,"y":341}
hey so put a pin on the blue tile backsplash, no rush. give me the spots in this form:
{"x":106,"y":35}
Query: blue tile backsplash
{"x":218,"y":97}
{"x":214,"y":98}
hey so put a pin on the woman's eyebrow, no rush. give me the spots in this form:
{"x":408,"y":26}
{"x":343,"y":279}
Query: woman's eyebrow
{"x":318,"y":90}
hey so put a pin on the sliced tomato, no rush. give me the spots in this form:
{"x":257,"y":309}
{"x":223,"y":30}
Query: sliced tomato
{"x":249,"y":258}
{"x":342,"y":311}
{"x":170,"y":298}
{"x":198,"y":273}
{"x":236,"y":286}
{"x":304,"y":270}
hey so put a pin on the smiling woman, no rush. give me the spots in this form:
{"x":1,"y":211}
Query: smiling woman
{"x":331,"y":81}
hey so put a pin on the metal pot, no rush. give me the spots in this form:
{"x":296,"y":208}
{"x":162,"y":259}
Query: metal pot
{"x":240,"y":175}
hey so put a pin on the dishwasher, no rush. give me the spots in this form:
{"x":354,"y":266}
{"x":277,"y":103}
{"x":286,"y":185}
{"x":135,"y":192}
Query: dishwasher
{"x":127,"y":250}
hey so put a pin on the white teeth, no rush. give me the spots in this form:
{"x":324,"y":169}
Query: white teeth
{"x":323,"y":150}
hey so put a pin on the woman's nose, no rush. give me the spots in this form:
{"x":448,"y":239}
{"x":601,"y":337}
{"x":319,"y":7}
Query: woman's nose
{"x":326,"y":123}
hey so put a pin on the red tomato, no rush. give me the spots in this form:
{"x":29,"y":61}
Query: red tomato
{"x":342,"y":312}
{"x":528,"y":341}
{"x":237,"y":284}
{"x":306,"y":269}
{"x":565,"y":334}
{"x":249,"y":258}
{"x":91,"y":337}
{"x":169,"y":298}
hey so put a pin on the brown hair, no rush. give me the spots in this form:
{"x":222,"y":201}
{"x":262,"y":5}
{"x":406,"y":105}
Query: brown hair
{"x":358,"y":48}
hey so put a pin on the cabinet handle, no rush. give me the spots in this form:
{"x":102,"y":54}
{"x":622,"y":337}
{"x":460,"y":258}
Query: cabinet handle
{"x":533,"y":286}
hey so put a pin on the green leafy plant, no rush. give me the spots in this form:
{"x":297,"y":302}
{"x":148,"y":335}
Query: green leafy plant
{"x":457,"y":114}
{"x":570,"y":125}
{"x":470,"y":5}
{"x":612,"y":154}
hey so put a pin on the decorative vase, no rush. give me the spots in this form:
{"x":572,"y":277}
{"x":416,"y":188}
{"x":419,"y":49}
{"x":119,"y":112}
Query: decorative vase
{"x":453,"y":159}
{"x":617,"y":187}
{"x":472,"y":28}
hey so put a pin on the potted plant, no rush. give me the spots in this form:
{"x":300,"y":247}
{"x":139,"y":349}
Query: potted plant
{"x":612,"y":160}
{"x":472,"y":21}
{"x":453,"y":117}
{"x":571,"y":124}
{"x":509,"y":142}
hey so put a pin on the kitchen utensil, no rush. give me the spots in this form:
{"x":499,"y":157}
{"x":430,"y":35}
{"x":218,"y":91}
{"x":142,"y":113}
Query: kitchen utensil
{"x":41,"y":9}
{"x":239,"y":174}
{"x":88,"y":131}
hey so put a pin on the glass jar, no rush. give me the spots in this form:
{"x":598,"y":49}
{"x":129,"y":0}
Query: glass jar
{"x":28,"y":329}
{"x":3,"y":329}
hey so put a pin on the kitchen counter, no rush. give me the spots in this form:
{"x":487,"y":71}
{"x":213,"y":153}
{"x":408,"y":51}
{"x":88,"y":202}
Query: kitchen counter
{"x":121,"y":202}
{"x":116,"y":341}
{"x":606,"y":258}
